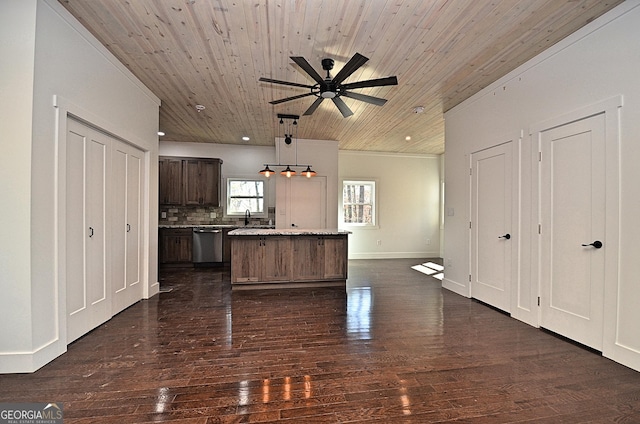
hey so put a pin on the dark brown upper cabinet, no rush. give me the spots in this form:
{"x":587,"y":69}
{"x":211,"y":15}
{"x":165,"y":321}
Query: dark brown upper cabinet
{"x":190,"y":181}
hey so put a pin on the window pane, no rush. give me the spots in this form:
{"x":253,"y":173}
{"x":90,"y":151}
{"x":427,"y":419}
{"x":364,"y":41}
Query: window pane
{"x":243,"y":195}
{"x":358,"y":202}
{"x":246,"y":188}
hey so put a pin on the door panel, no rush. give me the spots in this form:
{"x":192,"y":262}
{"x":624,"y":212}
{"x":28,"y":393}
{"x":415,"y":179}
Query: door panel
{"x":88,"y":297}
{"x":134,"y":216}
{"x":491,"y":222}
{"x":573,"y":214}
{"x":125,"y":233}
{"x":308,"y":202}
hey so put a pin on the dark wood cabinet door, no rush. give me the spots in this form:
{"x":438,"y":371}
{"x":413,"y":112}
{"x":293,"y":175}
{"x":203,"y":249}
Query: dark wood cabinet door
{"x":170,"y":181}
{"x":176,"y":246}
{"x":202,"y":182}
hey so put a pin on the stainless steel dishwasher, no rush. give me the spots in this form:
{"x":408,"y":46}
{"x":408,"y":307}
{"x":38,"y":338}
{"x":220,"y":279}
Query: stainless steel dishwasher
{"x":207,"y":245}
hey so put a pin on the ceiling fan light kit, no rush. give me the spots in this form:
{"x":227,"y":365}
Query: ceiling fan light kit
{"x":333,"y":88}
{"x":288,"y":139}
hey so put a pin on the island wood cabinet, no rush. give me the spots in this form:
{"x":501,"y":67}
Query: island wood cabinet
{"x":260,"y":259}
{"x":189,"y":181}
{"x":288,"y":261}
{"x":176,"y":246}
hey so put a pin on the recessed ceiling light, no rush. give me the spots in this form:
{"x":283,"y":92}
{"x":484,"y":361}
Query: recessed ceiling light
{"x":418,"y":109}
{"x":408,"y":138}
{"x":160,"y":133}
{"x":200,"y":108}
{"x":245,"y":138}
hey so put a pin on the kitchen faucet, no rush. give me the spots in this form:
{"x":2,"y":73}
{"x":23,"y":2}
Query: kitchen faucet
{"x":247,"y":215}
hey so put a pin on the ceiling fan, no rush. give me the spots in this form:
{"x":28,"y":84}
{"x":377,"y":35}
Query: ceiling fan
{"x":333,"y":88}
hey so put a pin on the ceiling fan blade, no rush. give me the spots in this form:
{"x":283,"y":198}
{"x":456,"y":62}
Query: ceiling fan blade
{"x":371,"y":83}
{"x":350,"y":67}
{"x":364,"y":98}
{"x":314,"y":106}
{"x":294,"y":84}
{"x":342,"y":106}
{"x":302,"y":62}
{"x":275,"y":102}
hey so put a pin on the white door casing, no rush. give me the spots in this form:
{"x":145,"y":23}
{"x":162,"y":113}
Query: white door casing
{"x":492,"y":235}
{"x":573,"y":216}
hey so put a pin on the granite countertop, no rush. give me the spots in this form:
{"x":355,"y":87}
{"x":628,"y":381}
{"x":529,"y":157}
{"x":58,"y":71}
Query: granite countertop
{"x":246,"y":231}
{"x":215,"y":226}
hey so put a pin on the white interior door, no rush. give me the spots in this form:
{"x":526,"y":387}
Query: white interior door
{"x":491,"y":231}
{"x":88,"y":294}
{"x":572,"y":197}
{"x":307,"y":202}
{"x":125,"y":233}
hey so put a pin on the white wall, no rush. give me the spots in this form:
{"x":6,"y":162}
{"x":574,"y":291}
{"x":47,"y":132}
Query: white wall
{"x":56,"y":67}
{"x":595,"y":64}
{"x":17,"y":50}
{"x":408,"y":198}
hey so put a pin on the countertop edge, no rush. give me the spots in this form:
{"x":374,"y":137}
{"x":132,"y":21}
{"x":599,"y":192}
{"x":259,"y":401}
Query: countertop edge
{"x":287,"y":232}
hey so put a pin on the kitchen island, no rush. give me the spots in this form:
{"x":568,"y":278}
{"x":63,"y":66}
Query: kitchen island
{"x":288,"y":258}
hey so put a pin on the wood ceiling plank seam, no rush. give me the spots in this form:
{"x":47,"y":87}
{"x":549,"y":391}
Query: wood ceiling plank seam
{"x":447,"y":59}
{"x":251,"y":90}
{"x":263,"y":25}
{"x":388,"y":51}
{"x":209,"y":60}
{"x":242,"y":60}
{"x":291,"y":15}
{"x":218,"y":32}
{"x":349,"y":26}
{"x":406,"y":22}
{"x":432,"y":34}
{"x":511,"y":48}
{"x":163,"y":92}
{"x":182,"y":33}
{"x":283,"y":68}
{"x":309,"y":19}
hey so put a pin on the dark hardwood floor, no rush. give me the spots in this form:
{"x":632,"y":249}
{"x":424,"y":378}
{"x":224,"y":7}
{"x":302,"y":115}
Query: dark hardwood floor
{"x":395,"y":348}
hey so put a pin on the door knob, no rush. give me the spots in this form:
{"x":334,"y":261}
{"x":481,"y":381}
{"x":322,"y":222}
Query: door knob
{"x":597,"y":244}
{"x":506,"y":236}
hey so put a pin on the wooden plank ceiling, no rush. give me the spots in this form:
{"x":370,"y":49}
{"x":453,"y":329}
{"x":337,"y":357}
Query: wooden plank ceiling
{"x":212,"y":52}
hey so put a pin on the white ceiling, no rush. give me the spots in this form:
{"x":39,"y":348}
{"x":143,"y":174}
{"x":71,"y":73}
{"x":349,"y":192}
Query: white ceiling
{"x":212,"y":53}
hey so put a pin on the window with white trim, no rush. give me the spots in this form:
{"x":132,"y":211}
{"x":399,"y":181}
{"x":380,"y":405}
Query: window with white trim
{"x":359,"y":203}
{"x":245,"y":194}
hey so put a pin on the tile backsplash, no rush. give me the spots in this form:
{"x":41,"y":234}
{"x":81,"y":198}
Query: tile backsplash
{"x":190,"y":215}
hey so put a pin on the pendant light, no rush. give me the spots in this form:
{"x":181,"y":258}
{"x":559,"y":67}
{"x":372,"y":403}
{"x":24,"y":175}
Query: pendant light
{"x":288,"y":139}
{"x":266,"y":171}
{"x":288,"y":172}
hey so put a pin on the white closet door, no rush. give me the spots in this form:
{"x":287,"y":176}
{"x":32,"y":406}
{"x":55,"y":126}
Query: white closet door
{"x":125,"y":234}
{"x":492,"y":236}
{"x":87,"y":284}
{"x":573,"y":175}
